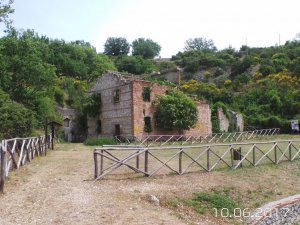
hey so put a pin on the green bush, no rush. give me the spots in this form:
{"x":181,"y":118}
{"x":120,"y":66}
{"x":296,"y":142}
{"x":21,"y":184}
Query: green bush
{"x":100,"y":141}
{"x":175,"y":111}
{"x":16,"y":120}
{"x":202,"y":202}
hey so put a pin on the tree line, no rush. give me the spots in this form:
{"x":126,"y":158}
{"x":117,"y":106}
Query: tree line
{"x":37,"y":73}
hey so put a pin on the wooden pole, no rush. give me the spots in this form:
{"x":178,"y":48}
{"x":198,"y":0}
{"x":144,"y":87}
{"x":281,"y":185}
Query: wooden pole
{"x":231,"y":157}
{"x":96,"y":165}
{"x":3,"y":166}
{"x":290,"y":151}
{"x":180,"y":162}
{"x":52,"y":136}
{"x":101,"y":162}
{"x":138,"y":160}
{"x":208,"y":159}
{"x":275,"y":153}
{"x":40,"y":148}
{"x":146,"y":162}
{"x":46,"y":136}
{"x":254,"y":156}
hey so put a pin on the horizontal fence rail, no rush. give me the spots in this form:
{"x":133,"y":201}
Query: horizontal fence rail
{"x":14,"y":153}
{"x":161,"y":140}
{"x":180,"y":160}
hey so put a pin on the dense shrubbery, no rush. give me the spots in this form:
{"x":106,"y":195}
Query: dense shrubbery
{"x":36,"y":73}
{"x":16,"y":120}
{"x":262,"y":83}
{"x":175,"y":111}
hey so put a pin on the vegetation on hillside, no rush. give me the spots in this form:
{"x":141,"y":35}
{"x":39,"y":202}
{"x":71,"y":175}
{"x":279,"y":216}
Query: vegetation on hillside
{"x":262,"y":83}
{"x":37,"y":73}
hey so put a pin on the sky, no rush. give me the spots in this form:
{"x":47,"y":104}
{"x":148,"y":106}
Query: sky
{"x":257,"y":23}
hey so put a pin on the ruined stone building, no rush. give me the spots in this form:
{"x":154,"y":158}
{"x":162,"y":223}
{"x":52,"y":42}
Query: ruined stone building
{"x":127,"y":107}
{"x":70,"y":123}
{"x":172,"y":74}
{"x":235,"y":118}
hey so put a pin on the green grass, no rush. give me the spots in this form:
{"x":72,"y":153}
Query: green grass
{"x":203,"y":202}
{"x":100,"y":141}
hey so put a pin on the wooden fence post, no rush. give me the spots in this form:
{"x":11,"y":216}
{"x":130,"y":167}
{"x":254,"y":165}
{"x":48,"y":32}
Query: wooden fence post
{"x":96,"y":165}
{"x":231,"y":157}
{"x":138,"y":160}
{"x":275,"y":153}
{"x":101,"y":162}
{"x":146,"y":162}
{"x":180,"y":162}
{"x":46,"y":135}
{"x":208,"y":159}
{"x":3,"y":166}
{"x":52,"y":135}
{"x":290,"y":151}
{"x":254,"y":155}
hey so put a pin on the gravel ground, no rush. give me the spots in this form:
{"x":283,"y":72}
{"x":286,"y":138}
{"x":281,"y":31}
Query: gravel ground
{"x":59,"y":189}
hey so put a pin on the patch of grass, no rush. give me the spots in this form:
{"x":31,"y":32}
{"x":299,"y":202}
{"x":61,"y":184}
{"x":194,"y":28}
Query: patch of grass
{"x":173,"y":202}
{"x":202,"y":202}
{"x":100,"y":141}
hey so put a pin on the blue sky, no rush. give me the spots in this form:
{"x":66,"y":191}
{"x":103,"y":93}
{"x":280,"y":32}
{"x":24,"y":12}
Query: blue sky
{"x":170,"y":23}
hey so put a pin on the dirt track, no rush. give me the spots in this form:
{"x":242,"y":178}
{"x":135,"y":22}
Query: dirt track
{"x":59,"y":189}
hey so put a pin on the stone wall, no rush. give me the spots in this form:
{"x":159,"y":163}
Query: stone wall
{"x":239,"y":122}
{"x":284,"y":211}
{"x":112,"y":113}
{"x":223,"y":120}
{"x":172,"y":74}
{"x":69,"y":128}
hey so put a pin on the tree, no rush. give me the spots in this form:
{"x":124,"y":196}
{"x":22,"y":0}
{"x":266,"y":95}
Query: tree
{"x":199,"y":44}
{"x":116,"y":46}
{"x":146,"y":48}
{"x":16,"y":120}
{"x":5,"y":10}
{"x":175,"y":111}
{"x":134,"y":64}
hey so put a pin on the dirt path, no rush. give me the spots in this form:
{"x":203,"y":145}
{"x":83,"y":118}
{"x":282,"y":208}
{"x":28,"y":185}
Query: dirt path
{"x":58,"y":189}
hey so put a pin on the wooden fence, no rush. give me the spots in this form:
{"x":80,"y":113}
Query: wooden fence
{"x":14,"y":153}
{"x":161,"y":140}
{"x":179,"y":160}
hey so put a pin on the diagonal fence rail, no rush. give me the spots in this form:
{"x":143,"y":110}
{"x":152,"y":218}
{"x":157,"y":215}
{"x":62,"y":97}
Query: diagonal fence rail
{"x":16,"y":152}
{"x":162,"y":140}
{"x":182,"y":159}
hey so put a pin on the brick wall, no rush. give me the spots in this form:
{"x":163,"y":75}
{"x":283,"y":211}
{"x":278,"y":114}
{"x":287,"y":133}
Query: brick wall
{"x":203,"y":126}
{"x":130,"y":112}
{"x":142,"y":109}
{"x":113,"y":113}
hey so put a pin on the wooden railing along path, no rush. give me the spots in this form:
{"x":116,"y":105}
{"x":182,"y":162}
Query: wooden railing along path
{"x":161,"y":140}
{"x":15,"y":152}
{"x":182,"y":159}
